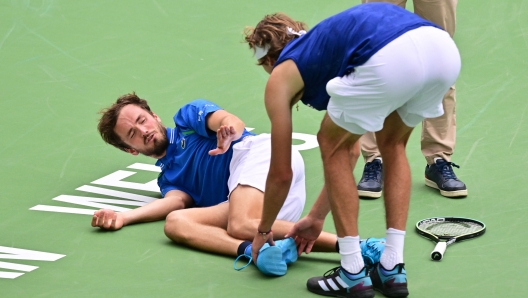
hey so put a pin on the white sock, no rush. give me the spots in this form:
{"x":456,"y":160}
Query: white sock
{"x":380,"y":159}
{"x":351,"y":259}
{"x":393,"y":253}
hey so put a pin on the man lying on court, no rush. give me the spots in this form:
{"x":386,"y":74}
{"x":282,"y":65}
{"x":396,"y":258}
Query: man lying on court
{"x":200,"y":168}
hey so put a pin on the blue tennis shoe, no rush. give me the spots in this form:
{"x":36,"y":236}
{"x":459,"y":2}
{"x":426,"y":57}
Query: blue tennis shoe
{"x":272,"y":260}
{"x":288,"y":249}
{"x":391,"y":283}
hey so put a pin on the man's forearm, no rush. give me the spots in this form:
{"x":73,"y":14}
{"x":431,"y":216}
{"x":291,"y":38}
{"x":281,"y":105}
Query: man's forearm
{"x":321,"y":207}
{"x":153,"y":211}
{"x":274,"y":197}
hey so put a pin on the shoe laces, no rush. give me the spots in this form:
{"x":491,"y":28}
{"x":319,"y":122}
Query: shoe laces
{"x":240,"y":256}
{"x":332,"y":271}
{"x":371,"y":171}
{"x":373,"y":251}
{"x":446,"y":168}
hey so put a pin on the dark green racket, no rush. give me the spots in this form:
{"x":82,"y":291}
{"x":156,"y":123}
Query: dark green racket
{"x":446,"y":230}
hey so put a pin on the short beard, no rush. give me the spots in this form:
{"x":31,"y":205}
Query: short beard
{"x":160,"y":145}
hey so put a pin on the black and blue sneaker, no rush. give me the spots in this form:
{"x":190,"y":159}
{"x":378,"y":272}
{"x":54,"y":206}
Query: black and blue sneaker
{"x":391,"y":283}
{"x":371,"y":183}
{"x":441,"y":176}
{"x":371,"y":250}
{"x":338,"y":283}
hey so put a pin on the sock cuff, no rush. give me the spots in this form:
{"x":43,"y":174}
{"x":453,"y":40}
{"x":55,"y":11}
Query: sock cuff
{"x":242,"y":247}
{"x":347,"y":239}
{"x":395,"y":231}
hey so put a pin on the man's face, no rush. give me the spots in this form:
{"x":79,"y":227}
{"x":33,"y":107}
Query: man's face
{"x":142,"y":131}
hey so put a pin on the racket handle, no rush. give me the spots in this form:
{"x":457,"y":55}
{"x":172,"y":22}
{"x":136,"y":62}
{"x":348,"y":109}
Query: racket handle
{"x":439,"y":251}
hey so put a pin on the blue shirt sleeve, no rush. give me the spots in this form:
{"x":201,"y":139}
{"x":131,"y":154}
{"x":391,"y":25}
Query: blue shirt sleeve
{"x":166,"y":186}
{"x":191,"y":118}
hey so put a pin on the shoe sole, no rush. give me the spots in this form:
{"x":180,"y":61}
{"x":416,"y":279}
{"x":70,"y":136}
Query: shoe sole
{"x":289,"y":250}
{"x":367,"y":294}
{"x":377,"y":284}
{"x":363,"y":294}
{"x":369,"y":194}
{"x":445,"y":193}
{"x":399,"y":294}
{"x":269,"y":262}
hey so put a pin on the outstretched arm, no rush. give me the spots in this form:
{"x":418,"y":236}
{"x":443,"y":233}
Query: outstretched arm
{"x":283,"y":90}
{"x":228,"y":128}
{"x":156,"y":210}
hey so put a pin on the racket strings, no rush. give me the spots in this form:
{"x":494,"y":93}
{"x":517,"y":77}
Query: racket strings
{"x":451,"y":228}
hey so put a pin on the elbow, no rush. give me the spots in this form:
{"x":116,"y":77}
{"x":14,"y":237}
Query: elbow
{"x":282,"y":178}
{"x":234,"y":121}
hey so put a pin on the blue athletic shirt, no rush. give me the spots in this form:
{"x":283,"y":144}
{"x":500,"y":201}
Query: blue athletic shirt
{"x":341,"y":42}
{"x":187,"y":165}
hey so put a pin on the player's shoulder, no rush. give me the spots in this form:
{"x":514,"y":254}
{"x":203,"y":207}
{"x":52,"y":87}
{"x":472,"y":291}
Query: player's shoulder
{"x":202,"y":103}
{"x":197,"y":107}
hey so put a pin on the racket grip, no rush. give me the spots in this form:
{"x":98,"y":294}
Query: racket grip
{"x":439,"y":251}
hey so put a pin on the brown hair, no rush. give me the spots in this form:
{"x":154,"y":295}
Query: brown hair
{"x":272,"y":30}
{"x":109,"y":117}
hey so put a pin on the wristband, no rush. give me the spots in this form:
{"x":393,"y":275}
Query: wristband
{"x":264,"y":234}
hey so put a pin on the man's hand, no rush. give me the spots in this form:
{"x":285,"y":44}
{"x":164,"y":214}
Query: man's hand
{"x":258,"y":242}
{"x":107,"y":219}
{"x":305,"y":232}
{"x":225,"y":135}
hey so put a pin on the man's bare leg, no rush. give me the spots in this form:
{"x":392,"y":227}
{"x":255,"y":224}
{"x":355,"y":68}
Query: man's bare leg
{"x":340,"y":151}
{"x":392,"y":141}
{"x":244,"y":216}
{"x":202,"y":228}
{"x":207,"y":228}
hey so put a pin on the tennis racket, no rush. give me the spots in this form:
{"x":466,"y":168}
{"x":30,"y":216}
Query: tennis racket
{"x":446,"y":230}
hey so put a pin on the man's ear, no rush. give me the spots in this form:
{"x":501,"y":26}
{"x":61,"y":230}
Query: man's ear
{"x":131,"y":151}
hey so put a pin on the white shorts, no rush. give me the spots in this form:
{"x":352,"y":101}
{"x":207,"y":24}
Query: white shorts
{"x":409,"y":75}
{"x":250,"y":165}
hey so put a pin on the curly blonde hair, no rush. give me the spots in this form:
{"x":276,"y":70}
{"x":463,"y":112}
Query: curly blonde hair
{"x":272,"y":30}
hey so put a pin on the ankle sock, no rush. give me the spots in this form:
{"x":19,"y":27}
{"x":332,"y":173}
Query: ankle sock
{"x":393,"y":253}
{"x":351,"y":259}
{"x":244,"y":247}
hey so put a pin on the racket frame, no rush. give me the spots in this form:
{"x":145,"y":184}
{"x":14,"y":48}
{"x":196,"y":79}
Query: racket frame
{"x":443,"y":241}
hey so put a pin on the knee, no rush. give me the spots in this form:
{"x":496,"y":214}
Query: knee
{"x":390,"y":147}
{"x":176,"y":227}
{"x":354,"y":152}
{"x":242,"y":229}
{"x":326,"y":145}
{"x":331,"y":147}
